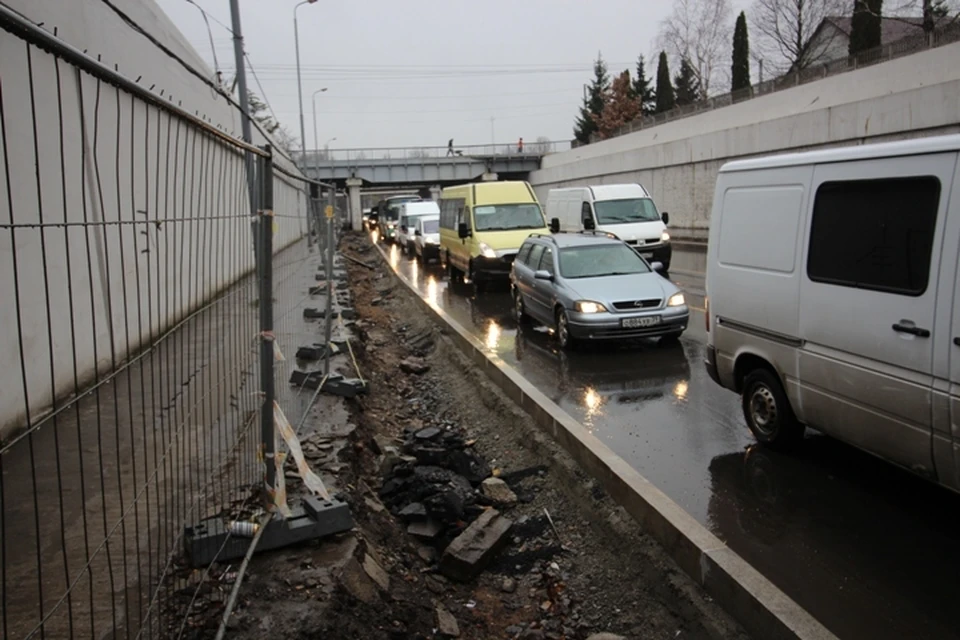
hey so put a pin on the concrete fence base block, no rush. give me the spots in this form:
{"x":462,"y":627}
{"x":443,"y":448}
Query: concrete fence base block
{"x":762,"y":608}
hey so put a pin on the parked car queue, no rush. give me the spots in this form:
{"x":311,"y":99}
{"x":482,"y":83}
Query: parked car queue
{"x":595,"y":273}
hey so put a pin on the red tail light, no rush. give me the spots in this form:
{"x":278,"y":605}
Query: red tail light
{"x":706,"y":313}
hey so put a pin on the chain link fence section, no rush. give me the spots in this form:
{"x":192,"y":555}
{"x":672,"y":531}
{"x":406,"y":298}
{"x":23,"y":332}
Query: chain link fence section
{"x":131,"y":390}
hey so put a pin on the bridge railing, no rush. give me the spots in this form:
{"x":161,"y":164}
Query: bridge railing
{"x":325,"y":157}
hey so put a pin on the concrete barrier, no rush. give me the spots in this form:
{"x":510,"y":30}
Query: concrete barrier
{"x":763,"y":609}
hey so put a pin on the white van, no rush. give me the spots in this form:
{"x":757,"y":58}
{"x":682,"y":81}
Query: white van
{"x":407,"y":219}
{"x":625,"y":210}
{"x":833,"y":301}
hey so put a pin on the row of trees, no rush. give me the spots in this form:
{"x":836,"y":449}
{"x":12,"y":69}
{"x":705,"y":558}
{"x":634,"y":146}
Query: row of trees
{"x":695,"y":39}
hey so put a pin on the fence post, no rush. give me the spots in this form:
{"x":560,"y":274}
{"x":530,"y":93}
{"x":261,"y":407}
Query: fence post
{"x":330,"y":212}
{"x":265,"y":255}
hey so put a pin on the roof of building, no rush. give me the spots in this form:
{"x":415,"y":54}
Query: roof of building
{"x":891,"y":29}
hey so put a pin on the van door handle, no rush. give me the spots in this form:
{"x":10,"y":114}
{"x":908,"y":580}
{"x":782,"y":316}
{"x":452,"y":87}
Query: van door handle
{"x":916,"y":331}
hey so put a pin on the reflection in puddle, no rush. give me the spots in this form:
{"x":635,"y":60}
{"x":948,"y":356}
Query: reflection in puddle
{"x":680,"y":391}
{"x":415,"y":272}
{"x":493,"y":335}
{"x":394,"y":256}
{"x":432,"y":292}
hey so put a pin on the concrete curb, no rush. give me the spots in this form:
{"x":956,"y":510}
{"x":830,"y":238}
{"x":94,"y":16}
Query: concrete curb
{"x":763,"y":609}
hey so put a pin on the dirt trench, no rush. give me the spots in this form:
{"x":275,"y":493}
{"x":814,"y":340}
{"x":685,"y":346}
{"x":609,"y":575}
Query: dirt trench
{"x":590,"y":570}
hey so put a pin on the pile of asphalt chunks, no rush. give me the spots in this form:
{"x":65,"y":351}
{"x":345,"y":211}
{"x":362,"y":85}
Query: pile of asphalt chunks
{"x":432,"y":483}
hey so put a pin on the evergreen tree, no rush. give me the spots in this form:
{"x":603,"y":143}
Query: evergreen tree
{"x":740,"y":72}
{"x":594,"y":102}
{"x":865,"y":25}
{"x":642,"y":89}
{"x":686,"y":85}
{"x":621,"y":108}
{"x":665,"y":97}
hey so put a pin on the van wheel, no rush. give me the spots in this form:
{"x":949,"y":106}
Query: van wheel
{"x":563,"y":331}
{"x":768,"y":412}
{"x":453,"y":274}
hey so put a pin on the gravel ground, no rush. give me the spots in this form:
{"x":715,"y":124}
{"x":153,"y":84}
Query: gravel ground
{"x":591,"y":570}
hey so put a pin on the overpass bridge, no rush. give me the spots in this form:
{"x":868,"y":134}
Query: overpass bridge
{"x":406,"y":167}
{"x":410,"y":166}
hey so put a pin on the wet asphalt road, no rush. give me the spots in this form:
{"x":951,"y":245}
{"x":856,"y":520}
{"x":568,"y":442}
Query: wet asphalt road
{"x":868,"y":549}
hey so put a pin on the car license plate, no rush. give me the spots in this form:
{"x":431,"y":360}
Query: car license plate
{"x":635,"y":323}
{"x":647,"y":254}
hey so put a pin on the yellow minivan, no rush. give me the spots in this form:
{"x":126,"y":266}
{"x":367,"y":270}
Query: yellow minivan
{"x":482,"y":226}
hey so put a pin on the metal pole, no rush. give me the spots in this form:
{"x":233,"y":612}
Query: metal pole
{"x":265,"y":218}
{"x":331,"y":204}
{"x":244,"y":97}
{"x":296,"y":46}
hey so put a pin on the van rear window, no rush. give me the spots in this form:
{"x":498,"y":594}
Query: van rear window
{"x":874,"y":234}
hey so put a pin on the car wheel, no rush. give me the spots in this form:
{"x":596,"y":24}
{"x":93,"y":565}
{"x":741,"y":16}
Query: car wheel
{"x":768,"y":412}
{"x":519,"y":311}
{"x":563,"y":331}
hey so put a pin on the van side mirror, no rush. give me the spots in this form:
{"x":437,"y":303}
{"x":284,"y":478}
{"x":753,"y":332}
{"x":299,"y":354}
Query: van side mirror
{"x":555,"y":225}
{"x":463,"y":230}
{"x":416,"y":232}
{"x":542,"y":274}
{"x":403,"y":228}
{"x":657,"y":266}
{"x":588,"y":223}
{"x":665,"y":217}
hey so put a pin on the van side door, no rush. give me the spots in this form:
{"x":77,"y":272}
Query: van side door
{"x":946,"y":362}
{"x":867,"y":302}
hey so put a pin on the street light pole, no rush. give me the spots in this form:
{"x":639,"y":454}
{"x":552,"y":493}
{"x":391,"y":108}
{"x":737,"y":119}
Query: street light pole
{"x":296,"y":45}
{"x":313,"y":99}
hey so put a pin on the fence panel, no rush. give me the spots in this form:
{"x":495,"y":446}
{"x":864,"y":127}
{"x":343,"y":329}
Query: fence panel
{"x":129,"y":400}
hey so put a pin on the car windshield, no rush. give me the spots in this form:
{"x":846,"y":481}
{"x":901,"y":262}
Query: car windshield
{"x":503,"y":217}
{"x":600,"y":260}
{"x":621,"y":211}
{"x":431,"y":226}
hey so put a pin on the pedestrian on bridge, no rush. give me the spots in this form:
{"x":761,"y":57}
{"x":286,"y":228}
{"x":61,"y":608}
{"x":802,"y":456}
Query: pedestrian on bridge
{"x":450,"y":148}
{"x":520,"y":146}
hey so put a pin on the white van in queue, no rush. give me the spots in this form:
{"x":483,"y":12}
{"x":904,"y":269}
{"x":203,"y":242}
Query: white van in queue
{"x":833,"y":300}
{"x":625,"y":210}
{"x":409,"y":212}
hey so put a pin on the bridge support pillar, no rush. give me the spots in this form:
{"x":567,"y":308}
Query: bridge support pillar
{"x":354,"y":207}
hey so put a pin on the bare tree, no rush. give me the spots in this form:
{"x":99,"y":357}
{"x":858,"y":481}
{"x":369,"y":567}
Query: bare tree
{"x":935,"y":13}
{"x":786,"y":30}
{"x":699,"y":31}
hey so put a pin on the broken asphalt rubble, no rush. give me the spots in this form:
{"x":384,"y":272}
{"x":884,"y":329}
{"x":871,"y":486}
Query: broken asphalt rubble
{"x":434,"y":487}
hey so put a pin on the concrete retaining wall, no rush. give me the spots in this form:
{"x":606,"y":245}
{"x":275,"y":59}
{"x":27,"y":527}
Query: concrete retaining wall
{"x":678,"y":162}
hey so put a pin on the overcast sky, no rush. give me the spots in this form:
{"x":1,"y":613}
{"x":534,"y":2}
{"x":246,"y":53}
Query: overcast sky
{"x":419,"y":72}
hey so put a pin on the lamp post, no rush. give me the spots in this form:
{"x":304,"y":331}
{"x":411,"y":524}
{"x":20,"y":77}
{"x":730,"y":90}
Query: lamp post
{"x":313,"y":99}
{"x":296,"y":44}
{"x":326,"y":148}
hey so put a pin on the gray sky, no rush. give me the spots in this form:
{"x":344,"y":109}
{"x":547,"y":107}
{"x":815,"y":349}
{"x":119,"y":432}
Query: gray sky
{"x":419,"y":72}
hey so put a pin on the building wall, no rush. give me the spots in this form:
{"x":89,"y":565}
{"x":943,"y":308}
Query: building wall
{"x":678,"y":162}
{"x":80,"y":152}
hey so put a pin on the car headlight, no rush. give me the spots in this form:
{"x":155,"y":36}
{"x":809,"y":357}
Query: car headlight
{"x":664,"y":237}
{"x":486,"y":251}
{"x":587,"y":306}
{"x":391,"y":225}
{"x":676,"y":300}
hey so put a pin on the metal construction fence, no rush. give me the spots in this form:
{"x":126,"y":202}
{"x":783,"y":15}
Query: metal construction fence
{"x":941,"y":36}
{"x":133,"y":276}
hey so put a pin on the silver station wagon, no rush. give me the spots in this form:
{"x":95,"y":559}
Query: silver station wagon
{"x":594,"y":287}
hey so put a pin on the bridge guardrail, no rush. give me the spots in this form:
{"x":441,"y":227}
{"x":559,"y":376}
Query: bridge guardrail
{"x":324,"y":157}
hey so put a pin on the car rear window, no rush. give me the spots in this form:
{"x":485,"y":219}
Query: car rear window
{"x":600,"y":260}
